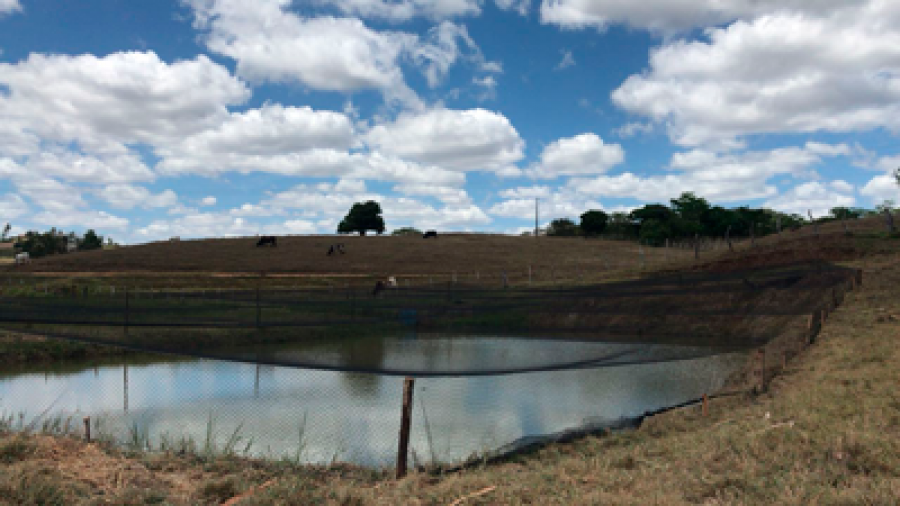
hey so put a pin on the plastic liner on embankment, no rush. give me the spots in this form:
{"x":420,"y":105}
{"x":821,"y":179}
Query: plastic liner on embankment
{"x":671,"y":317}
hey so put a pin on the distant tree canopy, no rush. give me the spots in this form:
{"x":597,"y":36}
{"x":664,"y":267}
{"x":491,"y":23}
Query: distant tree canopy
{"x":90,"y":241}
{"x":362,"y":218}
{"x":407,"y":231}
{"x":562,"y":227}
{"x":690,"y":216}
{"x":897,"y":175}
{"x":52,"y":242}
{"x":593,"y":222}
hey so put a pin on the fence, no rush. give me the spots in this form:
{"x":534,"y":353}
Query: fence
{"x":679,"y":337}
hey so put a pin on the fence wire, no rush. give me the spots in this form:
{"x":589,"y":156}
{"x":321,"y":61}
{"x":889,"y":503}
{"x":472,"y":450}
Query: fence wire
{"x":597,"y":356}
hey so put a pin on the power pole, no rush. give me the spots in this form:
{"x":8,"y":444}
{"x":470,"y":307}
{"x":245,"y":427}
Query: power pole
{"x":535,"y":217}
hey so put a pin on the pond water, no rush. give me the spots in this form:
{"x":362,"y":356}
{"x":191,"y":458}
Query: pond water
{"x":322,"y":415}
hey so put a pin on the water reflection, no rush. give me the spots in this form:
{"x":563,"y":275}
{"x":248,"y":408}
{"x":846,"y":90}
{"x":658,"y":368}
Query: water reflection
{"x":327,"y":415}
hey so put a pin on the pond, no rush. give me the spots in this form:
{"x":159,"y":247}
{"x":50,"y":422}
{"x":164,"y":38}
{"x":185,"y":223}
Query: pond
{"x":326,"y":415}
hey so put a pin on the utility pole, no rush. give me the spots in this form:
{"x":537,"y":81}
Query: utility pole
{"x":535,"y":216}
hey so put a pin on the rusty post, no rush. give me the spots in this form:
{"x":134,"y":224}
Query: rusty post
{"x":705,"y":405}
{"x":405,"y":420}
{"x":87,"y":429}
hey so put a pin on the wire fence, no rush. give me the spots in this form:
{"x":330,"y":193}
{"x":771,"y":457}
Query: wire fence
{"x":597,"y":356}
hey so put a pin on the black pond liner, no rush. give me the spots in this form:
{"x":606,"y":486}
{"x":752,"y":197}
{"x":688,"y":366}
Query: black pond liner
{"x":650,"y":320}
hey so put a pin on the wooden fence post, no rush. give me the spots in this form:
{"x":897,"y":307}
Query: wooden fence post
{"x":405,"y":420}
{"x":87,"y":429}
{"x":705,"y":405}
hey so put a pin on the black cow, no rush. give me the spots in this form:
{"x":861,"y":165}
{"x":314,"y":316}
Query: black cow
{"x":430,"y":233}
{"x":379,"y":287}
{"x":267,"y":240}
{"x":336,"y":248}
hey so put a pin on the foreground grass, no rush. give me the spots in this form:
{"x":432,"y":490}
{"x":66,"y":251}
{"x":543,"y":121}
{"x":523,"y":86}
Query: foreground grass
{"x":827,"y":431}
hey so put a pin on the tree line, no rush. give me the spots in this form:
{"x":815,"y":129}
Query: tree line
{"x":52,"y":242}
{"x":688,"y":217}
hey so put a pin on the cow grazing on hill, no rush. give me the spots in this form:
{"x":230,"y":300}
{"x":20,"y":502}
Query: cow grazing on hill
{"x":381,"y":286}
{"x":23,"y":258}
{"x":336,"y":248}
{"x":430,"y":233}
{"x":267,"y":240}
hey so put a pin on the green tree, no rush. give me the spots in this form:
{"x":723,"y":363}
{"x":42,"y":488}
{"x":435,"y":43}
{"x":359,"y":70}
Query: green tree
{"x":694,"y":213}
{"x":847,"y":213}
{"x":593,"y":222}
{"x":622,"y":226}
{"x":655,"y":232}
{"x":562,"y":227}
{"x":407,"y":231}
{"x":91,"y":241}
{"x":362,"y":218}
{"x":6,"y":230}
{"x":897,"y":175}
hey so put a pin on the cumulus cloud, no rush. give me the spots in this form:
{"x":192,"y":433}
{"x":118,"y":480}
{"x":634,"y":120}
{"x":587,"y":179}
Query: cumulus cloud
{"x":208,"y":201}
{"x":520,"y":6}
{"x":274,"y":138}
{"x":404,"y":10}
{"x":104,"y":102}
{"x":12,"y":206}
{"x":672,"y":15}
{"x":9,"y":6}
{"x":561,"y":202}
{"x":123,"y":196}
{"x":272,"y":44}
{"x":579,"y":155}
{"x":464,"y":140}
{"x":816,"y":197}
{"x":784,"y":72}
{"x":720,"y":177}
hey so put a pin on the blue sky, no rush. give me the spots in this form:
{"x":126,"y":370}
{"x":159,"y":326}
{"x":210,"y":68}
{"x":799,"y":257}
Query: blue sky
{"x":198,"y":118}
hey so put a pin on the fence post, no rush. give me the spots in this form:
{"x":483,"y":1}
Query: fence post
{"x":529,"y":274}
{"x":87,"y":429}
{"x":405,"y":419}
{"x":126,"y":310}
{"x":258,"y":309}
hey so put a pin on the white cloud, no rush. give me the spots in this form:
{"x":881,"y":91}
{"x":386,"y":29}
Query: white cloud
{"x":520,"y":6}
{"x":881,"y":188}
{"x":9,"y":6}
{"x":447,"y":195}
{"x":672,"y":15}
{"x":11,"y":207}
{"x":272,"y":44}
{"x":102,"y":103}
{"x":287,"y":140}
{"x":568,"y":60}
{"x":719,"y":177}
{"x":443,"y":50}
{"x":208,"y":201}
{"x":525,"y":192}
{"x":779,"y":73}
{"x":466,"y":140}
{"x":123,"y":196}
{"x":102,"y":169}
{"x":98,"y":220}
{"x":579,"y":155}
{"x":813,"y":196}
{"x":404,"y":10}
{"x":559,"y":203}
{"x":634,"y":128}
